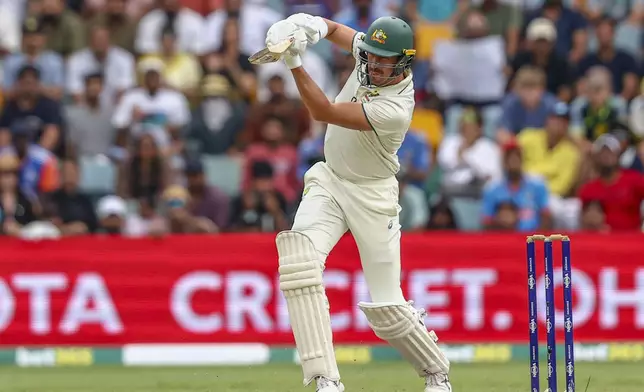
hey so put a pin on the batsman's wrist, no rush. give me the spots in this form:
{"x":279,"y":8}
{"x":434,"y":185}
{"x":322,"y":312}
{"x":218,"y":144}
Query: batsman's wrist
{"x":293,"y":61}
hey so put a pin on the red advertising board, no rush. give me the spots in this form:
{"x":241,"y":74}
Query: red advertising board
{"x":224,"y":289}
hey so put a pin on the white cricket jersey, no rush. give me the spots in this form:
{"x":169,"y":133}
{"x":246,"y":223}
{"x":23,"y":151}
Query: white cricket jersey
{"x":363,"y":155}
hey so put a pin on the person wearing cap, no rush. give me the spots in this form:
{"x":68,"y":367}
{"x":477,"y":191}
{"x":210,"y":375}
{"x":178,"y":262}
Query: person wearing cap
{"x":542,"y":35}
{"x":112,"y":213}
{"x":620,"y":191}
{"x":180,"y":220}
{"x":36,"y":111}
{"x":50,"y":64}
{"x":16,"y":208}
{"x":206,"y":201}
{"x":622,"y":65}
{"x":572,"y":37}
{"x":468,"y":159}
{"x":528,"y":193}
{"x":152,"y":107}
{"x":550,"y":153}
{"x":528,"y":105}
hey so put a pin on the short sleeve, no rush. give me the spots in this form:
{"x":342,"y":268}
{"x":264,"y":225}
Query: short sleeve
{"x":357,"y":38}
{"x":386,"y":117}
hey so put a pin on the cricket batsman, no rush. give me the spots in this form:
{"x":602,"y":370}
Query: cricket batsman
{"x":355,"y":189}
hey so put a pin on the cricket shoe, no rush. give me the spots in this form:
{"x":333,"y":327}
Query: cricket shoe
{"x":437,"y":382}
{"x":326,"y":385}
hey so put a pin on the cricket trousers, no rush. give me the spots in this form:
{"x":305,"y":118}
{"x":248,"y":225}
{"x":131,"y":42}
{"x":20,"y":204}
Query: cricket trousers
{"x":332,"y":205}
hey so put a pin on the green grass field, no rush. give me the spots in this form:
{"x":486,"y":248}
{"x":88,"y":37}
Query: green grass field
{"x":380,"y":377}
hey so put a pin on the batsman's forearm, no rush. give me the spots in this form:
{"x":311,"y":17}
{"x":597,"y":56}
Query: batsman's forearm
{"x":340,"y":34}
{"x":313,"y":97}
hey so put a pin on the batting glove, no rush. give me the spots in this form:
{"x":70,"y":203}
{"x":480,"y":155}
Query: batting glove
{"x":314,"y":26}
{"x":285,"y":30}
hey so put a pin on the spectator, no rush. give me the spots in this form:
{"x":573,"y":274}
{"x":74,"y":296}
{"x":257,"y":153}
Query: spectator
{"x":16,"y":208}
{"x":414,"y":156}
{"x":528,"y":105}
{"x":618,"y":10}
{"x":39,"y":173}
{"x":122,"y":27}
{"x":116,"y":65}
{"x":620,"y":192}
{"x":111,"y":212}
{"x":593,"y":218}
{"x":572,"y":38}
{"x":260,"y":207}
{"x":145,"y":173}
{"x":454,"y":73}
{"x":273,"y":148}
{"x":529,"y":194}
{"x":181,"y":71}
{"x":541,"y":35}
{"x":468,"y":160}
{"x":441,"y":217}
{"x":29,"y":107}
{"x":291,"y":111}
{"x":75,"y":212}
{"x":135,"y":9}
{"x":153,"y":108}
{"x":310,"y":151}
{"x":549,"y":152}
{"x":219,"y":117}
{"x":636,"y":113}
{"x":147,"y":221}
{"x":631,"y":148}
{"x":49,"y":64}
{"x":599,"y":110}
{"x":503,"y":20}
{"x":622,"y":66}
{"x":414,"y":213}
{"x":507,"y":217}
{"x":206,"y":201}
{"x":179,"y":218}
{"x":64,"y":30}
{"x":89,"y":125}
{"x":441,"y":11}
{"x":188,"y":25}
{"x":254,"y":20}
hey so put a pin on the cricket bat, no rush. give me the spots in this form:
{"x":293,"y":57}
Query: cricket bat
{"x":271,"y":53}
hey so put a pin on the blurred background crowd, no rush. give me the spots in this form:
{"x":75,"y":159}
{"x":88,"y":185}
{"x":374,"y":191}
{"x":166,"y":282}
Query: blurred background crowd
{"x":144,"y":117}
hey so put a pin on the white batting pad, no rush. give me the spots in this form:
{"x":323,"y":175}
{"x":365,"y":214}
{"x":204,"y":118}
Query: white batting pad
{"x":301,"y":282}
{"x":401,"y":326}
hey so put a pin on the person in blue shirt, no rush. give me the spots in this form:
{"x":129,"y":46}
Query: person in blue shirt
{"x":415,"y":158}
{"x":528,"y":105}
{"x":528,"y":194}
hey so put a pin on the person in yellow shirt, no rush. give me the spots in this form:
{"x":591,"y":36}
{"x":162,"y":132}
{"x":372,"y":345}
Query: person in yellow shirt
{"x":182,"y":71}
{"x":550,"y":153}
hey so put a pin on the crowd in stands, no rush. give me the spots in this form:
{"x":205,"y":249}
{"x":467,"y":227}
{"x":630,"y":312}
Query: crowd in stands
{"x":144,"y":117}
